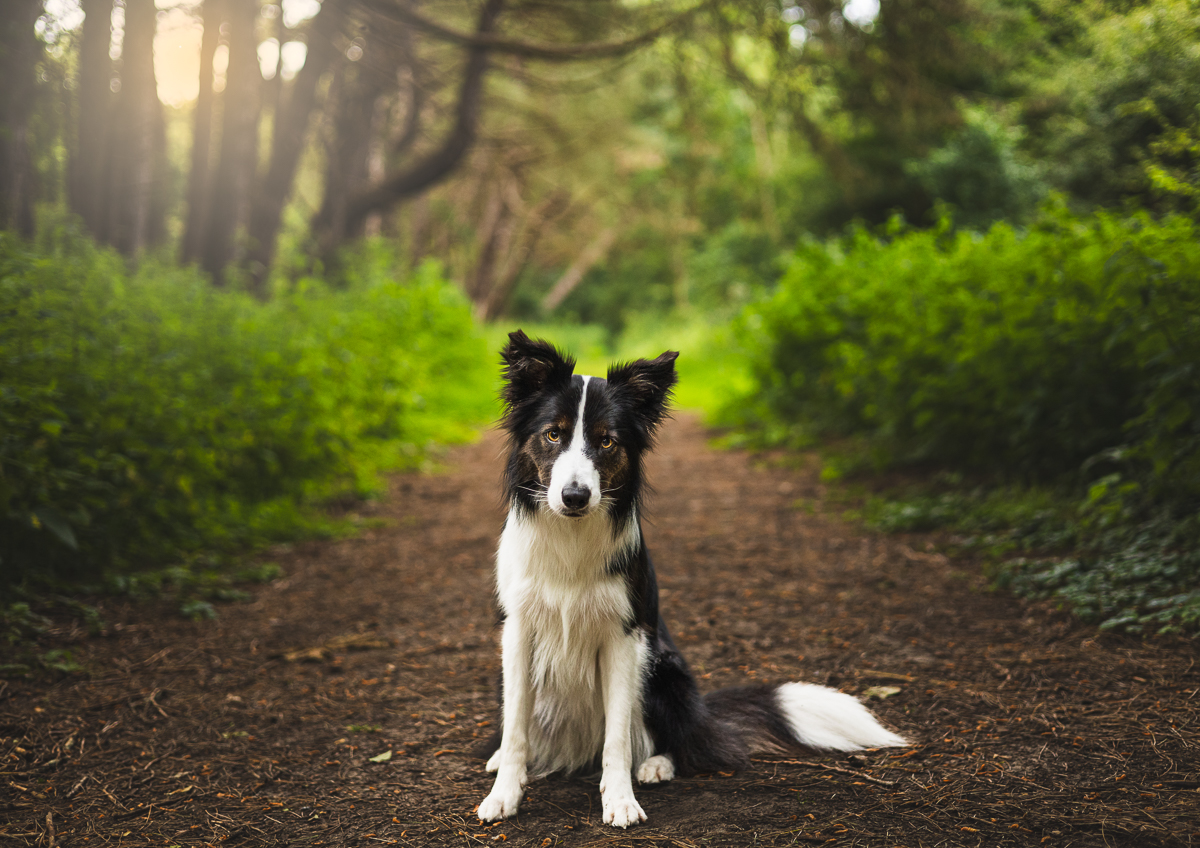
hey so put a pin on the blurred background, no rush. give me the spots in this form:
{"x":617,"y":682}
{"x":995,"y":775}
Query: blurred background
{"x":257,"y":254}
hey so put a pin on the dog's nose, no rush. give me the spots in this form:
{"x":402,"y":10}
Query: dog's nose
{"x":576,"y":497}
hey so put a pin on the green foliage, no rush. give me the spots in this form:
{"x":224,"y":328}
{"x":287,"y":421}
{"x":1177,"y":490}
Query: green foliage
{"x":148,"y":416}
{"x":1114,"y":110}
{"x":1024,"y":352}
{"x":1125,"y":569}
{"x":711,"y":367}
{"x":981,"y":174}
{"x":1070,"y":352}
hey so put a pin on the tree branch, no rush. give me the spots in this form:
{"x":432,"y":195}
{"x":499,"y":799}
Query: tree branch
{"x":574,"y":275}
{"x":431,"y":168}
{"x":405,"y":12}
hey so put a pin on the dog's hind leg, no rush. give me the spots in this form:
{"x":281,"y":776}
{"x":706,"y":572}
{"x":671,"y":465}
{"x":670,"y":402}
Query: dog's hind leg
{"x":657,"y":769}
{"x":513,"y":756}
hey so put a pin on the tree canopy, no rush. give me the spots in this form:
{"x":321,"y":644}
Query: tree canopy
{"x":589,"y":157}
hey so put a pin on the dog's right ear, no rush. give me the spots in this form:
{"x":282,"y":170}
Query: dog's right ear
{"x":532,"y":366}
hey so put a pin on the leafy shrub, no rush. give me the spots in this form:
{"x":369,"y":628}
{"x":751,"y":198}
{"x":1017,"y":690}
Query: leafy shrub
{"x":981,"y":174}
{"x":1115,"y":118}
{"x":1028,"y":352}
{"x":1121,"y":570}
{"x":147,"y":415}
{"x":1069,"y":351}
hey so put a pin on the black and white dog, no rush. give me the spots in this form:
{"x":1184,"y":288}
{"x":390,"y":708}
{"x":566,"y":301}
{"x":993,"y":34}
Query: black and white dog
{"x":591,"y":676}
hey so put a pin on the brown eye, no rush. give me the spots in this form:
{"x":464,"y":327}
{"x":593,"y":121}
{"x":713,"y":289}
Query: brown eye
{"x":606,"y":443}
{"x":552,"y":435}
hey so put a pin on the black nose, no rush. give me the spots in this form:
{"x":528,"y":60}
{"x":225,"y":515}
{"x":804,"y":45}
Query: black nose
{"x":576,"y":497}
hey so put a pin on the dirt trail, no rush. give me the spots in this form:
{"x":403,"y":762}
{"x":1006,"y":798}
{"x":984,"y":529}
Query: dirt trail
{"x":1031,"y":729}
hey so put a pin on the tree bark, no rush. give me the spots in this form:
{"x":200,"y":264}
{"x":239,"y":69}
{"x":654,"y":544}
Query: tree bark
{"x":526,"y":242}
{"x":89,"y":153}
{"x":19,"y":49}
{"x":573,"y":276}
{"x":136,"y":207}
{"x":287,"y":141}
{"x":434,"y":166}
{"x":202,"y":123}
{"x":416,"y":95}
{"x":347,"y":158}
{"x":231,"y":184}
{"x":406,"y":12}
{"x":487,"y":236}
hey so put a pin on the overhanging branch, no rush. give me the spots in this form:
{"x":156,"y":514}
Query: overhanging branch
{"x":435,"y":165}
{"x":403,"y":11}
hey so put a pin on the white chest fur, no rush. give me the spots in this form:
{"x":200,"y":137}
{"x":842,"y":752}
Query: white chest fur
{"x":551,"y":575}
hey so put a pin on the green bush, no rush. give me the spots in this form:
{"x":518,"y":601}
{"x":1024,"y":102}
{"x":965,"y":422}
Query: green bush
{"x":1021,"y":352}
{"x":1068,"y":353}
{"x":1113,"y":117}
{"x":145,"y":416}
{"x":981,"y":173}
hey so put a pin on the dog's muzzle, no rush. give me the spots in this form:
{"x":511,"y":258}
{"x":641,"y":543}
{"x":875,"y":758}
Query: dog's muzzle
{"x":575,"y":499}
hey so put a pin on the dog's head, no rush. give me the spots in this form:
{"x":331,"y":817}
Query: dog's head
{"x":577,"y":442}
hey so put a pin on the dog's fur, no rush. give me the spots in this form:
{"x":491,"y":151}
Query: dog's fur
{"x":591,"y":677}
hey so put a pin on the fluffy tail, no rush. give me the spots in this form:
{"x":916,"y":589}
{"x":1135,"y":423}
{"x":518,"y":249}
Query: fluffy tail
{"x":778,"y":719}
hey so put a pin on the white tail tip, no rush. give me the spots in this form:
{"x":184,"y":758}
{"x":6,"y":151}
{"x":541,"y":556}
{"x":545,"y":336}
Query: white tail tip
{"x":821,"y":717}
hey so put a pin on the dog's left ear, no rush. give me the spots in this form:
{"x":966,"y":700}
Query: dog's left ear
{"x":647,"y":383}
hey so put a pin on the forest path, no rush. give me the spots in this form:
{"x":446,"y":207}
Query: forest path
{"x":266,"y":727}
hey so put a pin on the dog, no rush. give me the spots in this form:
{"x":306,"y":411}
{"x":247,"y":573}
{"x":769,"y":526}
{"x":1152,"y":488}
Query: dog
{"x":591,"y":679}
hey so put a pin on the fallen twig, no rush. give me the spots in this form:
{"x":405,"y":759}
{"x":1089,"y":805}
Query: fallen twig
{"x":837,"y":769}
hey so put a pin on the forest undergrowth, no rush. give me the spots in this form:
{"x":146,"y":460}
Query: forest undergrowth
{"x":1046,"y":380}
{"x":154,"y":429}
{"x":1030,"y":392}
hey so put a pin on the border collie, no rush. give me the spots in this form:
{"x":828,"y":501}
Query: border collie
{"x":591,"y":677}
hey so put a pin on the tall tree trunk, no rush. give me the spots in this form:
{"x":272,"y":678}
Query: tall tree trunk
{"x":136,"y":205}
{"x":518,"y":258}
{"x":89,"y":154}
{"x":19,"y":50}
{"x":202,"y":125}
{"x":573,"y":276}
{"x":273,"y":89}
{"x":231,"y":184}
{"x":347,"y":155}
{"x":420,"y":224}
{"x":287,"y":141}
{"x":434,"y":166}
{"x":488,"y":235}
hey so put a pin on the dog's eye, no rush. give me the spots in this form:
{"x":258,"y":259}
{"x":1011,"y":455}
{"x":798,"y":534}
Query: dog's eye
{"x":606,"y":443}
{"x":552,"y":435}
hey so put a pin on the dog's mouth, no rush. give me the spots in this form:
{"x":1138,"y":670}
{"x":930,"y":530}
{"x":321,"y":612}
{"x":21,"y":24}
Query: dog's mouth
{"x":573,"y":513}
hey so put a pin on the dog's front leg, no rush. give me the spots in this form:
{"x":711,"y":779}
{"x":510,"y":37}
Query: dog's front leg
{"x":505,"y":797}
{"x":621,"y":660}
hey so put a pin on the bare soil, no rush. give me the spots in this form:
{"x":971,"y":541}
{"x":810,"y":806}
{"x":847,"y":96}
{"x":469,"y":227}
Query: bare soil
{"x":266,"y":727}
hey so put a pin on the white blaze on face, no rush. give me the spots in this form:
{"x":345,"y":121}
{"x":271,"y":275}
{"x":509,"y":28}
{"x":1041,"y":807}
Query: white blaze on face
{"x":574,"y":468}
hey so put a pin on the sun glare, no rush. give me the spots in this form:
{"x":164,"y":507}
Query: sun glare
{"x":177,"y":42}
{"x":177,"y":52}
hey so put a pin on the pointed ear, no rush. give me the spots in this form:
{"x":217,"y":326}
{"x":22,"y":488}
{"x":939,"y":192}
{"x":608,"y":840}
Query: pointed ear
{"x":647,"y":383}
{"x":531,"y":366}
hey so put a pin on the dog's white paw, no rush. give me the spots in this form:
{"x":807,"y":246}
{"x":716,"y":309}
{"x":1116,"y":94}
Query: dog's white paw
{"x":493,"y":763}
{"x":501,"y":804}
{"x":622,"y":812}
{"x":657,"y":769}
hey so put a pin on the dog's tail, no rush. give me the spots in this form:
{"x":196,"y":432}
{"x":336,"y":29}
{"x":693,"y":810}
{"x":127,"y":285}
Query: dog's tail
{"x":744,"y":720}
{"x":771,"y":719}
